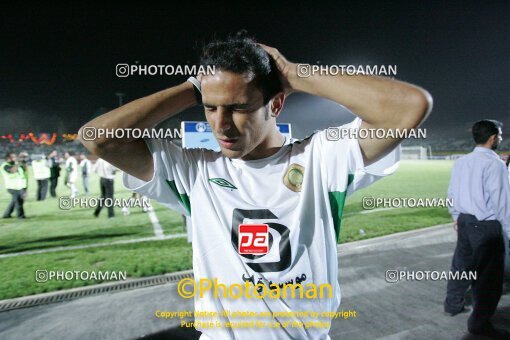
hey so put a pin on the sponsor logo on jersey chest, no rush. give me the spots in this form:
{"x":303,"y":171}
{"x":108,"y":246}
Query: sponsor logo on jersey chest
{"x":253,"y":239}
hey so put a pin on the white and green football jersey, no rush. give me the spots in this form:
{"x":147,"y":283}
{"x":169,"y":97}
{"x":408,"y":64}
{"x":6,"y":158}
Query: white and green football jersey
{"x":272,"y":220}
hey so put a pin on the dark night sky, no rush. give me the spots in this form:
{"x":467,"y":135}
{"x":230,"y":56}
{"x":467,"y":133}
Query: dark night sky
{"x":57,"y":63}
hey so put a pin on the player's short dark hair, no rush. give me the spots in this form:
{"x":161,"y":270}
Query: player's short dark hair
{"x":8,"y":155}
{"x":240,"y":53}
{"x":483,"y":129}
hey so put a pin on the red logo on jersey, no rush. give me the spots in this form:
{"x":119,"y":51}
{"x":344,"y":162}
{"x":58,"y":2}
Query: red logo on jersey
{"x":253,"y":239}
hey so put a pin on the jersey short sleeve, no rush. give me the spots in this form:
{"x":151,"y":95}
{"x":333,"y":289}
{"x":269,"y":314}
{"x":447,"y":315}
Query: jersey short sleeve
{"x":343,"y":160}
{"x":175,"y":171}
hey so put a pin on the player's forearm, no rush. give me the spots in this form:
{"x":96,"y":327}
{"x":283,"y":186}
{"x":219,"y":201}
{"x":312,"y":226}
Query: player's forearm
{"x":142,"y":113}
{"x":381,"y":102}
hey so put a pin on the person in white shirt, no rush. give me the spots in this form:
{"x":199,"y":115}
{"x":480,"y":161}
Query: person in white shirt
{"x":480,"y":192}
{"x":106,"y":173}
{"x":265,"y":209}
{"x":42,"y":173}
{"x":71,"y":172}
{"x":86,"y":168}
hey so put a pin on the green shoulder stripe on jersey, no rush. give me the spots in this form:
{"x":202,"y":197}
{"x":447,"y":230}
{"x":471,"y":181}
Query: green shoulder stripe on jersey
{"x":182,"y":197}
{"x":337,"y":203}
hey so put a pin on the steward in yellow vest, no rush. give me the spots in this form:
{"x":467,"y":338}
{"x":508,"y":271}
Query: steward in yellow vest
{"x":15,"y":182}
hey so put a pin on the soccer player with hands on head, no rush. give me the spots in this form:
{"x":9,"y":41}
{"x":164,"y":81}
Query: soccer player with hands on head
{"x":286,"y":194}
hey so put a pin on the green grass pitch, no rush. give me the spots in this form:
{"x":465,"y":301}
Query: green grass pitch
{"x":48,"y":227}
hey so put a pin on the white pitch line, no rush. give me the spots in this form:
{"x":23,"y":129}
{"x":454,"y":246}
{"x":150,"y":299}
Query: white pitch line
{"x":94,"y":245}
{"x":158,"y":231}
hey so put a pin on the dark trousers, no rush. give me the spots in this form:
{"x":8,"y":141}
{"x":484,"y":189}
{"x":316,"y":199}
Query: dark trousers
{"x":53,"y":186}
{"x":480,"y":248}
{"x":16,"y":202}
{"x":106,"y":192}
{"x":42,"y":189}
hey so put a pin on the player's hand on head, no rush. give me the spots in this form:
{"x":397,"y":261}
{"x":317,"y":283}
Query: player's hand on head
{"x":285,"y":68}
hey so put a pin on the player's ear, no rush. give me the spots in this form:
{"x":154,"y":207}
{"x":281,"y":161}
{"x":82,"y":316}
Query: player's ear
{"x":492,"y":138}
{"x":276,"y":104}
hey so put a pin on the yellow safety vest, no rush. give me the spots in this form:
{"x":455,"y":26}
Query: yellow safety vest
{"x":13,"y":180}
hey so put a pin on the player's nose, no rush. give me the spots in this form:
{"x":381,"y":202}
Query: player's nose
{"x":223,"y":120}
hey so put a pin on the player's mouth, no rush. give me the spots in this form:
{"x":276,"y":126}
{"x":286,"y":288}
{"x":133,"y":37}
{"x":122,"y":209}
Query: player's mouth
{"x":227,"y":143}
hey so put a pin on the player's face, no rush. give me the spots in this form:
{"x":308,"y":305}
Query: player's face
{"x":234,"y":108}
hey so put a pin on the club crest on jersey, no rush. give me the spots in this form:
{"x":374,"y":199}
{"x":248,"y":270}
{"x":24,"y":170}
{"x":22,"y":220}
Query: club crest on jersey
{"x":253,"y":239}
{"x":293,"y":178}
{"x":222,"y":183}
